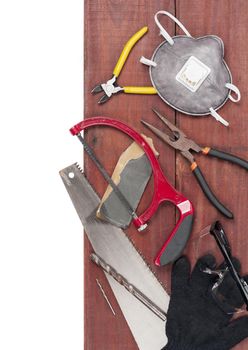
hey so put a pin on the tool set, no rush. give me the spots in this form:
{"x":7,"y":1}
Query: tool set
{"x":190,"y":75}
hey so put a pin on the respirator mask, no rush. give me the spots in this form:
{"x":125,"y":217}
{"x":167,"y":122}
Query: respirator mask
{"x":190,"y":74}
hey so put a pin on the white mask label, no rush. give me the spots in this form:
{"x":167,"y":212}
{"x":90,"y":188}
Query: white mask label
{"x":193,"y":74}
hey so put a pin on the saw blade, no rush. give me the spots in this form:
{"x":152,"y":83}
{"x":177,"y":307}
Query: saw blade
{"x":113,"y":245}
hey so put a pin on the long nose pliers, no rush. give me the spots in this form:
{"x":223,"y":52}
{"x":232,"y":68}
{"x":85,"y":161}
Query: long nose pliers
{"x":179,"y":141}
{"x":111,"y":87}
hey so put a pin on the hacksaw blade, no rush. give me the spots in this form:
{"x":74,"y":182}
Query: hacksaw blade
{"x":131,"y":174}
{"x":113,"y":245}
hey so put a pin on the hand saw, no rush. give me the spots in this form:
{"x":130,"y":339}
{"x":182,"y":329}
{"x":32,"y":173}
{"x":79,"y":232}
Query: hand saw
{"x":112,"y":244}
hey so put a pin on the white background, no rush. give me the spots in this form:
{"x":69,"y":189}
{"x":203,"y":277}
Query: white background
{"x":41,"y":237}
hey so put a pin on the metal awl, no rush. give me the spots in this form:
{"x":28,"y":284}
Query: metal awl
{"x":105,"y":296}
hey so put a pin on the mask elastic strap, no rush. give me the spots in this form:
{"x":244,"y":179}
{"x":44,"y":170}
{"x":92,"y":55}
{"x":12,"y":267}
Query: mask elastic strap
{"x":147,"y":62}
{"x":218,"y":117}
{"x":234,"y":89}
{"x":163,"y":32}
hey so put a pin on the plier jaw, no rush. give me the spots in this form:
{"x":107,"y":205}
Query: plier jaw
{"x":177,"y":139}
{"x":109,"y":88}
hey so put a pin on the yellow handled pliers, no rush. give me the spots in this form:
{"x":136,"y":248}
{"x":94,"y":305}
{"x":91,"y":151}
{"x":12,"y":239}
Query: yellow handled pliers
{"x":111,"y":87}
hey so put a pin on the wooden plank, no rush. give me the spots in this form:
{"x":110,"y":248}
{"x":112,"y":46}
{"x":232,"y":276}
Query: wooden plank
{"x":228,"y":19}
{"x":108,"y":25}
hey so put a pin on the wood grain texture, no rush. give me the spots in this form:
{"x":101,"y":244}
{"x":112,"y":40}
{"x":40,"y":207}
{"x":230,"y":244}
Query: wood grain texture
{"x":108,"y":25}
{"x":227,"y":19}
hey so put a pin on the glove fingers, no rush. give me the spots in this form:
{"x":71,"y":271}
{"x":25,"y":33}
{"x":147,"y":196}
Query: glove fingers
{"x":235,"y":262}
{"x":235,"y":332}
{"x":228,"y":287}
{"x":180,"y":273}
{"x":229,"y":290}
{"x":199,"y":277}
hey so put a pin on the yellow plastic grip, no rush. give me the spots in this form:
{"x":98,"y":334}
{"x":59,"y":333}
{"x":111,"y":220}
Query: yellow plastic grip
{"x":144,"y":90}
{"x":126,"y":50}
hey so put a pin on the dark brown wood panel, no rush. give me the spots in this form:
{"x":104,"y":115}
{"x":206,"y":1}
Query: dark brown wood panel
{"x":108,"y":25}
{"x":228,"y":19}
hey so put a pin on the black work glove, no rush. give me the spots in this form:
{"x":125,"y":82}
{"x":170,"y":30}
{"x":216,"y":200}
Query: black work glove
{"x":194,"y":320}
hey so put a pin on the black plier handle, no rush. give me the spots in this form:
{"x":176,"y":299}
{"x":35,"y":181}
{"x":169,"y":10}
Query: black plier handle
{"x":203,"y":183}
{"x":225,"y":156}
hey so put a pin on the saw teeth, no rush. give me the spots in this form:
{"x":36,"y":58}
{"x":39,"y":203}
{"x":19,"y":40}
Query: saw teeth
{"x":92,"y":216}
{"x":148,"y":266}
{"x":79,"y":168}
